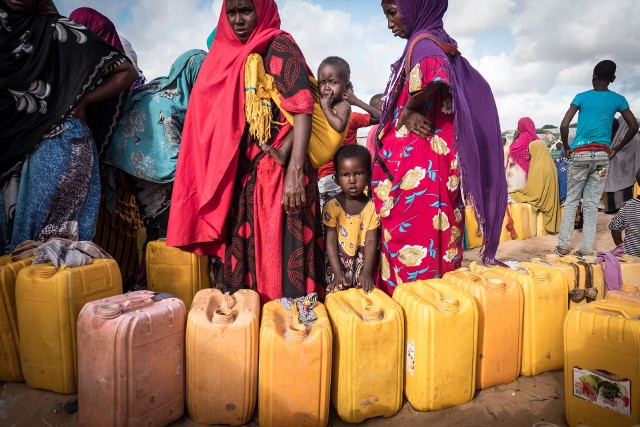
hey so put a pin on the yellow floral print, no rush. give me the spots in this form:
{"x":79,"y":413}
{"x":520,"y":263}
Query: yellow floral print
{"x":455,"y":233}
{"x":454,"y":163}
{"x":439,"y":145}
{"x":441,"y":221}
{"x":385,"y":271}
{"x":453,"y":183}
{"x":415,"y":79}
{"x":383,"y":189}
{"x":412,"y":255}
{"x":387,"y":235}
{"x":402,"y":132}
{"x":386,"y":207}
{"x":458,"y":215}
{"x":412,"y":178}
{"x":451,"y":254}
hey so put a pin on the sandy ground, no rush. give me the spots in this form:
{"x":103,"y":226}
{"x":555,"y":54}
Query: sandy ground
{"x":526,"y":401}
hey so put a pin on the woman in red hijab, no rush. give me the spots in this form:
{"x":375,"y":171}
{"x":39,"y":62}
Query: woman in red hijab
{"x":519,"y":157}
{"x":230,"y":199}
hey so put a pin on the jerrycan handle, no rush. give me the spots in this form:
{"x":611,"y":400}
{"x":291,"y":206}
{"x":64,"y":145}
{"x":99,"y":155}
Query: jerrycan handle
{"x":613,"y":309}
{"x":296,"y":330}
{"x":223,"y":315}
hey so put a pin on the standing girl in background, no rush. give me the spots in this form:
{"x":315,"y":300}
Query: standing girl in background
{"x":351,"y":223}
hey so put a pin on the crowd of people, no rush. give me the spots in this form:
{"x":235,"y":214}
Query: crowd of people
{"x":242,"y":155}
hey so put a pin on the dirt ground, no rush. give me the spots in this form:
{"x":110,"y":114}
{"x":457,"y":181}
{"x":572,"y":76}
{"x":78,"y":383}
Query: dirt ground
{"x":526,"y":401}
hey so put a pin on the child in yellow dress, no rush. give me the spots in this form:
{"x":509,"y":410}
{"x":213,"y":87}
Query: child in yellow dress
{"x":351,"y":224}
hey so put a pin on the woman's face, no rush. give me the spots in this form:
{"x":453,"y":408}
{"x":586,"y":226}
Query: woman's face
{"x":22,"y":5}
{"x":394,"y":20}
{"x":242,"y":17}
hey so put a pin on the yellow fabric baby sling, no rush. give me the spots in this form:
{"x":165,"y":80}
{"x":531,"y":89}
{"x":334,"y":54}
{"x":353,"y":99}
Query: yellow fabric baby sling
{"x":260,"y":90}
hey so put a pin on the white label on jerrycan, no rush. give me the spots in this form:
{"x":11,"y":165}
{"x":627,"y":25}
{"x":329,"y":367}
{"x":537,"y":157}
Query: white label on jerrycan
{"x":411,"y":354}
{"x":603,"y":388}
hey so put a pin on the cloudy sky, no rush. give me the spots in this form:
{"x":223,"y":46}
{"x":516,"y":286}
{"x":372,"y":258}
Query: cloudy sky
{"x":535,"y":54}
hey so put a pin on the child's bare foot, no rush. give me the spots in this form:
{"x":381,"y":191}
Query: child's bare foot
{"x":275,"y":154}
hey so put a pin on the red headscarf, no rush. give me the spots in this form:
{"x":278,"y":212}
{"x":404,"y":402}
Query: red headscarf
{"x":213,"y":128}
{"x":519,"y":149}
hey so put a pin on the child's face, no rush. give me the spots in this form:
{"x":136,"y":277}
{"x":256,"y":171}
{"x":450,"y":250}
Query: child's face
{"x":352,"y":176}
{"x":331,"y":79}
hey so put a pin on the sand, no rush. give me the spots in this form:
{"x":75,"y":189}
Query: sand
{"x":524,"y":402}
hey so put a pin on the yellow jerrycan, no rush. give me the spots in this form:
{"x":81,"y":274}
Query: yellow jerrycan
{"x":630,"y":268}
{"x":441,"y":324}
{"x":48,"y":303}
{"x":294,"y":374}
{"x":524,"y":221}
{"x":500,"y":308}
{"x":588,"y":283}
{"x":177,"y":272}
{"x":626,"y":293}
{"x":545,"y":305}
{"x":368,"y":354}
{"x":222,"y":356}
{"x":602,"y":364}
{"x":9,"y":358}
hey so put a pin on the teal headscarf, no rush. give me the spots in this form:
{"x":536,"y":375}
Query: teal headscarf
{"x":210,"y":38}
{"x":147,"y":140}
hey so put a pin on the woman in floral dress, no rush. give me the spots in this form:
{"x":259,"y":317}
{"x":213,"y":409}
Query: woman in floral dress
{"x":427,"y":135}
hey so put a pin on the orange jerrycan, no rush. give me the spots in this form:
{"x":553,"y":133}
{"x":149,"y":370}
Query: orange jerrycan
{"x":441,"y":333}
{"x":602,"y":364}
{"x":48,"y":303}
{"x":9,"y":358}
{"x":500,"y":307}
{"x":222,"y":356}
{"x":294,"y":381}
{"x":175,"y":271}
{"x":368,"y":331}
{"x":545,"y":305}
{"x":626,"y":293}
{"x":131,"y":360}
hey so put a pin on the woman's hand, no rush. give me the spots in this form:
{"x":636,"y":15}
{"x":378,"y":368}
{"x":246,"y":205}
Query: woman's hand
{"x":293,"y":197}
{"x":365,"y":281}
{"x":415,"y":122}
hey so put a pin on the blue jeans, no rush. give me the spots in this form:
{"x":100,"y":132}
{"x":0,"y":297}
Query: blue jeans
{"x":586,"y":179}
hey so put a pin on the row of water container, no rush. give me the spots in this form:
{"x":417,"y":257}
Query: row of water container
{"x":436,"y":342}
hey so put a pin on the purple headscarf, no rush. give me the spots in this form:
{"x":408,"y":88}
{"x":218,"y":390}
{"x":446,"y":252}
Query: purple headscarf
{"x":477,"y":128}
{"x":99,"y":24}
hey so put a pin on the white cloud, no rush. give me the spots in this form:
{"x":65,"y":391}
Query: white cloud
{"x":548,"y":57}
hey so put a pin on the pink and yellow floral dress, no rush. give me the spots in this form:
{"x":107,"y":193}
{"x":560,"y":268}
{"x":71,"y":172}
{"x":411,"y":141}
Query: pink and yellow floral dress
{"x":416,"y":185}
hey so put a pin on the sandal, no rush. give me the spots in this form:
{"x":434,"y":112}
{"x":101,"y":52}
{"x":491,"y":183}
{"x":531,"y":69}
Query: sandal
{"x":582,"y":254}
{"x":561,"y":251}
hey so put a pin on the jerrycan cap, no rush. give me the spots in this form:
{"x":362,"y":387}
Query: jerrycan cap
{"x":542,"y":276}
{"x":448,"y":304}
{"x":630,"y":289}
{"x":372,"y":313}
{"x":496,"y":285}
{"x":109,"y":311}
{"x":223,"y":315}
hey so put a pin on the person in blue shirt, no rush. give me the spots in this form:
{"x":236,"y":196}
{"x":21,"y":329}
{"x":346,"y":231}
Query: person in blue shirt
{"x":590,"y":152}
